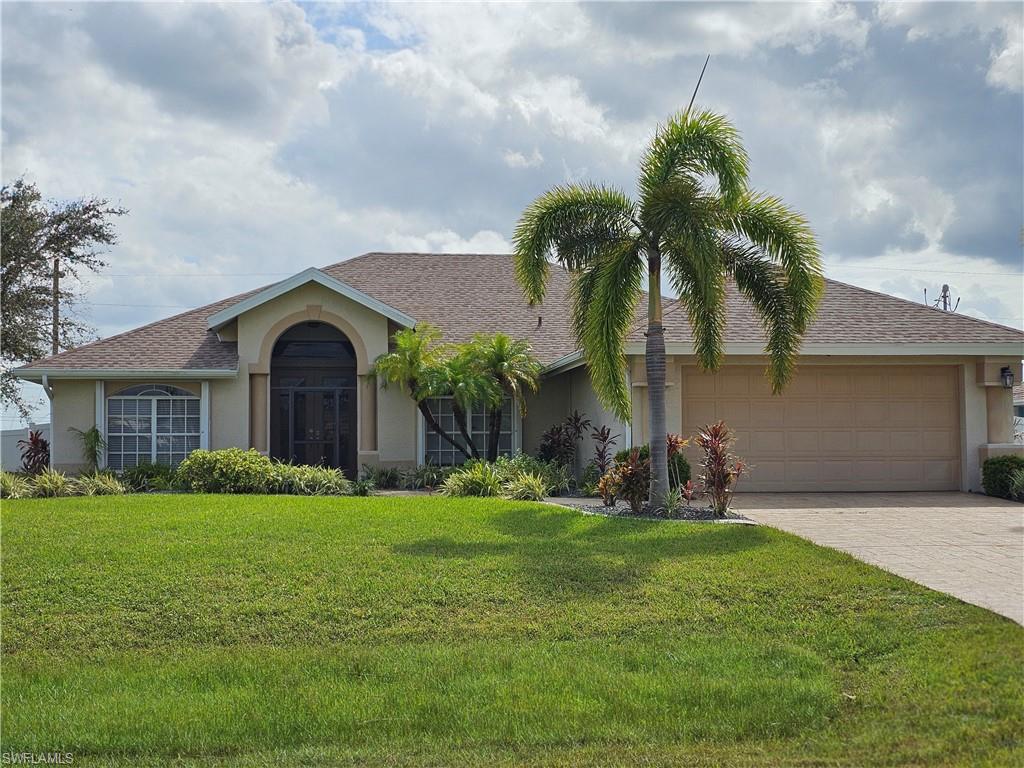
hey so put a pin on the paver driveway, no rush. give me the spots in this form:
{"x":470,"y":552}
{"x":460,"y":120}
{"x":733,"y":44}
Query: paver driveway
{"x":968,"y":545}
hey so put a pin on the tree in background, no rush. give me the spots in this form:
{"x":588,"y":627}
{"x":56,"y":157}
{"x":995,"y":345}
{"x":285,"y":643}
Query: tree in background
{"x":41,"y":243}
{"x":696,"y":221}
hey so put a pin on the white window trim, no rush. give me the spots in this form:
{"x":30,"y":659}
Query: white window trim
{"x":422,"y":430}
{"x":153,"y":434}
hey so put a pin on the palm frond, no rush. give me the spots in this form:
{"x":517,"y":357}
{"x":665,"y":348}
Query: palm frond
{"x":694,"y":266}
{"x":785,"y":237}
{"x":572,"y":224}
{"x":763,"y":283}
{"x":609,"y":316}
{"x":695,"y":145}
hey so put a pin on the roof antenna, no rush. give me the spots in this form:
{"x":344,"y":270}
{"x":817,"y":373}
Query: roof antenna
{"x":699,"y":79}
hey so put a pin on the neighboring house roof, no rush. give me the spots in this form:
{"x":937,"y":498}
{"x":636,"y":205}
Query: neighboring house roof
{"x":463,"y":294}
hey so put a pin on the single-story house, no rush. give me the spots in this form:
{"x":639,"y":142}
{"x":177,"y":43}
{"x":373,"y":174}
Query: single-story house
{"x":889,"y":394}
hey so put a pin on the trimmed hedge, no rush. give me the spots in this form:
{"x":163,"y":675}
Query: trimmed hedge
{"x":231,"y":470}
{"x":998,"y":475}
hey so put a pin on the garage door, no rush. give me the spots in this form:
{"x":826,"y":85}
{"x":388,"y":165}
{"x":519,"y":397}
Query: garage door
{"x":857,"y":428}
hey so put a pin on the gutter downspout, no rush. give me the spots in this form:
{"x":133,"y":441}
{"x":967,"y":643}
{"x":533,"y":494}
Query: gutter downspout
{"x":49,"y":396}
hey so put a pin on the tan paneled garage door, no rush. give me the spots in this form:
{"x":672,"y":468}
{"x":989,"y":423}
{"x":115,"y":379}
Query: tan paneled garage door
{"x":857,"y":428}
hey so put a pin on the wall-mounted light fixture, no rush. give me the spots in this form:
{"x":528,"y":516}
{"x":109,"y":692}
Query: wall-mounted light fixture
{"x":1006,"y":376}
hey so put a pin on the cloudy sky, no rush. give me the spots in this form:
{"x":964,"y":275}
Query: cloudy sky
{"x":251,"y":141}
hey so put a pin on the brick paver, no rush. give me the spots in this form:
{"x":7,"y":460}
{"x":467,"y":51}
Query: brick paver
{"x":967,"y":545}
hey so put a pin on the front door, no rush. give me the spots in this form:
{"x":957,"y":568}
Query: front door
{"x":314,"y":425}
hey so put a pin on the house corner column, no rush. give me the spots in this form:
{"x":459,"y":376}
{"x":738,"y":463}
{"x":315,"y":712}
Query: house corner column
{"x":259,"y":410}
{"x":367,"y":414}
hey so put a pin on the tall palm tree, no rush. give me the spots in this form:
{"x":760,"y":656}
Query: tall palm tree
{"x":696,"y":221}
{"x":512,"y":364}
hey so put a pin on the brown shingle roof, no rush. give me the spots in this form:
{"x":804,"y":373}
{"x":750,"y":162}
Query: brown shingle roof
{"x":464,"y":294}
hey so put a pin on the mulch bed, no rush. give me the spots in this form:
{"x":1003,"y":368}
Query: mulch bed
{"x":683,"y":514}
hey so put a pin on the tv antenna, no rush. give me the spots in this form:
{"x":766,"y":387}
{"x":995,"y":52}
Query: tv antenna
{"x":944,"y":300}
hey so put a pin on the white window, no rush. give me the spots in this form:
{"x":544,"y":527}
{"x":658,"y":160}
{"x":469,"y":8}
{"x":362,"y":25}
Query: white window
{"x":151,"y":423}
{"x":437,"y":450}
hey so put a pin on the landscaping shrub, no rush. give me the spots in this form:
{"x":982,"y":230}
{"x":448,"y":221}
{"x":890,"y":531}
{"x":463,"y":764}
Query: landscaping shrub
{"x":720,"y":468}
{"x":35,"y":453}
{"x":678,"y":466}
{"x":363,"y":487}
{"x":148,"y":477}
{"x":525,"y":487}
{"x":303,"y":480}
{"x":428,"y":476}
{"x":997,"y":475}
{"x":50,"y":483}
{"x":384,"y":478}
{"x":231,"y":470}
{"x":100,"y":484}
{"x":14,"y":486}
{"x":604,"y":441}
{"x":476,"y":478}
{"x":629,"y":479}
{"x":1017,"y":485}
{"x":558,"y":446}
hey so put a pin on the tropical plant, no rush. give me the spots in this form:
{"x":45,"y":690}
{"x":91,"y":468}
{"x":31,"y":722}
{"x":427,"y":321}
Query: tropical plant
{"x":1017,"y":484}
{"x":678,"y":466}
{"x":384,"y":478}
{"x":633,"y":479}
{"x":35,"y":453}
{"x":696,"y":221}
{"x":516,"y":370}
{"x":525,"y":487}
{"x":997,"y":475}
{"x":50,"y":484}
{"x":477,"y":478}
{"x":576,"y":424}
{"x":557,"y":445}
{"x":669,"y":504}
{"x":363,"y":487}
{"x":305,"y":480}
{"x":93,"y":445}
{"x":148,"y":477}
{"x":608,"y":487}
{"x":689,"y":491}
{"x":720,"y":469}
{"x":14,"y":486}
{"x":101,"y":484}
{"x":604,"y":441}
{"x":460,"y":375}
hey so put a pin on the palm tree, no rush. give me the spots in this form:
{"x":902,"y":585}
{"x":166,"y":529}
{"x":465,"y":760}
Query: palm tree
{"x":512,"y":364}
{"x":417,"y":362}
{"x":696,"y":221}
{"x":462,"y":375}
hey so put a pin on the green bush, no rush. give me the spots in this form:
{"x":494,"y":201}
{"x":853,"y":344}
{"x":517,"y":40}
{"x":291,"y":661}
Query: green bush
{"x":557,"y":477}
{"x":997,"y":475}
{"x":50,"y":483}
{"x":525,"y":487}
{"x":631,"y":479}
{"x":148,"y":477}
{"x":1017,"y":484}
{"x":385,"y":478}
{"x":101,"y":484}
{"x":232,"y":470}
{"x":678,"y":466}
{"x":426,"y":476}
{"x":363,"y":487}
{"x":14,"y":486}
{"x":476,"y":478}
{"x":302,"y":480}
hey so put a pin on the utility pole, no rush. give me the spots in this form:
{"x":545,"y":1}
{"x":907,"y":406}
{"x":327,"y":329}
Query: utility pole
{"x":55,"y":340}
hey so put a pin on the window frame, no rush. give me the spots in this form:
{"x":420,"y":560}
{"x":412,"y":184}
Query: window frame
{"x":153,"y":434}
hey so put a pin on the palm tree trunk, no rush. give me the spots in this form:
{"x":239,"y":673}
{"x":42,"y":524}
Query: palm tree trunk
{"x":655,"y":360}
{"x":493,"y":433}
{"x":432,"y":423}
{"x":463,"y":424}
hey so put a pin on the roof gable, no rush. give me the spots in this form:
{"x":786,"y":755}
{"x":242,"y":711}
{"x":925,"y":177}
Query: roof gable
{"x":312,"y":275}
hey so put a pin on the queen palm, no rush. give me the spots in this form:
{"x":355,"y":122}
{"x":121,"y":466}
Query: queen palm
{"x":512,"y":364}
{"x":696,"y":222}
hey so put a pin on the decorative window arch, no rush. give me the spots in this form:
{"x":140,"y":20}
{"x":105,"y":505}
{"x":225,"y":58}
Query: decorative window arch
{"x":151,"y":423}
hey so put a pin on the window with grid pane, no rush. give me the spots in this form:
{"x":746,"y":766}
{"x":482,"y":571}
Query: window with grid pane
{"x":439,"y":451}
{"x":151,"y":423}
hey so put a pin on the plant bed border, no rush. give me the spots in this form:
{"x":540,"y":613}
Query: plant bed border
{"x":683,"y":515}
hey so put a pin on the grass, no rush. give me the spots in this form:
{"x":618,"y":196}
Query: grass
{"x":430,"y":631}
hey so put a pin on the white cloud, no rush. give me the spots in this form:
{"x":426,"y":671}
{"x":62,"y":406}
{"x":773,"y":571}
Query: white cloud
{"x":515,"y":159}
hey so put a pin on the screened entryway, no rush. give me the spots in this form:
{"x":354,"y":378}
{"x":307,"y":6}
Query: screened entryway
{"x":313,"y":397}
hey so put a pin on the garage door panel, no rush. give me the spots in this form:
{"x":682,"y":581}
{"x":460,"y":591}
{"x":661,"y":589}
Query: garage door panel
{"x":837,"y":428}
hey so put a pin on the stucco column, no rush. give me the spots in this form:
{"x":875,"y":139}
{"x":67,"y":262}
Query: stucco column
{"x":999,"y":402}
{"x":258,"y":410}
{"x":367,"y":413}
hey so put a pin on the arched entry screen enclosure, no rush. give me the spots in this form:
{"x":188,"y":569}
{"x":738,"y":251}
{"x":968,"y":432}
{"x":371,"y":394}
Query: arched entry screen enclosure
{"x":313,"y":397}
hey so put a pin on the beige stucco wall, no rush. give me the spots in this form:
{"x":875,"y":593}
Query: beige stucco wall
{"x":73,"y":405}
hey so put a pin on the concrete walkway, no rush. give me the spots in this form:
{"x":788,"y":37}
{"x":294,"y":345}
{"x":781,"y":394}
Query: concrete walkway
{"x":967,"y":545}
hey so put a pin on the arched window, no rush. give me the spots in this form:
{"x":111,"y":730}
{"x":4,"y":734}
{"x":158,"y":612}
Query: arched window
{"x":155,"y":423}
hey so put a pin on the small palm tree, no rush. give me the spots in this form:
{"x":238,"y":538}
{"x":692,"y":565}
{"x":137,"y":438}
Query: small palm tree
{"x":462,"y":376}
{"x":696,"y":221}
{"x":416,"y":362}
{"x":513,"y":366}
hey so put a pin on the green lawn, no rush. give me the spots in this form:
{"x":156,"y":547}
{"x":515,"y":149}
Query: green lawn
{"x":429,"y":631}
